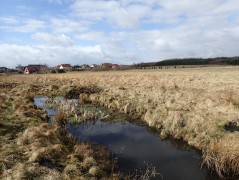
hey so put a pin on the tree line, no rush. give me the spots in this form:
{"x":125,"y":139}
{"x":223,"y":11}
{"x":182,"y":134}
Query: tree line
{"x":191,"y":61}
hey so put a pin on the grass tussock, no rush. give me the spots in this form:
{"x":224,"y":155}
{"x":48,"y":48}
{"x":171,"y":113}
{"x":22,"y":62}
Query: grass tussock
{"x":41,"y":151}
{"x":74,"y":111}
{"x":60,"y":119}
{"x":47,"y":147}
{"x":192,"y":104}
{"x":223,"y":156}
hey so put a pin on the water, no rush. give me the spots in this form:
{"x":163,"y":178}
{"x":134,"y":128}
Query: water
{"x":40,"y":102}
{"x":135,"y":146}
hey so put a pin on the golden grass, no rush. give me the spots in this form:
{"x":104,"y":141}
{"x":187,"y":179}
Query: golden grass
{"x":30,"y":148}
{"x":191,"y":104}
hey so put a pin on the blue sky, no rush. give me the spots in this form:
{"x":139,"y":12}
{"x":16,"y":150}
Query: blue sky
{"x":119,"y":31}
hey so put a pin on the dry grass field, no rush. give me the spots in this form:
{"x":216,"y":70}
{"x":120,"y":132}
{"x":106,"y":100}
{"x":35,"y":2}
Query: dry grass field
{"x":199,"y":105}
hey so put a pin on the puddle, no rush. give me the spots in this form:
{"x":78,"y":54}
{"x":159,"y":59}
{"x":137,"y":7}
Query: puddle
{"x":134,"y":146}
{"x":40,"y":102}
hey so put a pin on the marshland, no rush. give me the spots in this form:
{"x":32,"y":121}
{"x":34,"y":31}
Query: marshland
{"x":198,"y":107}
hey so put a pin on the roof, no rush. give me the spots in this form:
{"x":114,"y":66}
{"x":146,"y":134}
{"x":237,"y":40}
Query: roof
{"x":3,"y":68}
{"x":94,"y":65}
{"x":32,"y":69}
{"x":37,"y":66}
{"x":65,"y":65}
{"x":106,"y":64}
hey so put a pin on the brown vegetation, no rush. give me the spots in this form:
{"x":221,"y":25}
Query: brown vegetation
{"x":190,"y":104}
{"x":30,"y":148}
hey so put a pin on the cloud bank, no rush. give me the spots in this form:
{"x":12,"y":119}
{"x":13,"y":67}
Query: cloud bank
{"x":119,"y":31}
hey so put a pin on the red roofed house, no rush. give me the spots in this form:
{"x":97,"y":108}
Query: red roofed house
{"x":32,"y":69}
{"x":65,"y":66}
{"x":115,"y":66}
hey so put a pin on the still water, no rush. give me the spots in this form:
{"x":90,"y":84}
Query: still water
{"x":135,"y":146}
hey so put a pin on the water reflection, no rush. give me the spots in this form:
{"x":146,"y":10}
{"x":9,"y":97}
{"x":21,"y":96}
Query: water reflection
{"x":40,"y":103}
{"x":135,"y":145}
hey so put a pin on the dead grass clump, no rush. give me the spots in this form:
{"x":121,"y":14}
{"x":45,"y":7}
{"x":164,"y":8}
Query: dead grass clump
{"x":75,"y":92}
{"x":45,"y":146}
{"x":42,"y":142}
{"x":54,"y":87}
{"x":176,"y":123}
{"x":83,"y":149}
{"x":84,"y":98}
{"x":8,"y":85}
{"x":30,"y":96}
{"x":53,"y":152}
{"x":223,"y":156}
{"x":231,"y":97}
{"x":60,"y":119}
{"x":32,"y":171}
{"x":88,"y":160}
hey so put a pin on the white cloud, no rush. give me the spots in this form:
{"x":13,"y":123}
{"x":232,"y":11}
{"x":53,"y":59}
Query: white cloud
{"x":53,"y":40}
{"x":8,"y":20}
{"x":23,"y":10}
{"x":129,"y":17}
{"x":116,"y":12}
{"x":11,"y":55}
{"x":67,"y":25}
{"x":57,"y":1}
{"x":25,"y":26}
{"x":91,"y":36}
{"x":127,"y":31}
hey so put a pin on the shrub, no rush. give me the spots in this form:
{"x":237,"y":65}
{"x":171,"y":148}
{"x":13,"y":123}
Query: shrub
{"x":61,"y":71}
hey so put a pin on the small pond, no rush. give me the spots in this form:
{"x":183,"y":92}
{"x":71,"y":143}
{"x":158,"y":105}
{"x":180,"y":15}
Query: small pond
{"x":135,"y":146}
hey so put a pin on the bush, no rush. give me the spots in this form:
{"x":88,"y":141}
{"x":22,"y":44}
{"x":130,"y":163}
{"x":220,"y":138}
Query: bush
{"x":61,"y":71}
{"x":58,"y":71}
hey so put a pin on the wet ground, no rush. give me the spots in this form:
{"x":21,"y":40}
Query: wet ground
{"x":135,"y":146}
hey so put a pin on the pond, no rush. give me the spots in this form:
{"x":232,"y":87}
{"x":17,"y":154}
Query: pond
{"x":135,"y":146}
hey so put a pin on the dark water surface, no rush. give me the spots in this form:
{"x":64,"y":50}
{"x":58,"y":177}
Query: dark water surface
{"x":135,"y":146}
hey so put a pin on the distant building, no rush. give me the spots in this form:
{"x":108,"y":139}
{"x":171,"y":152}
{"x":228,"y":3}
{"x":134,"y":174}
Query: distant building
{"x":64,"y":66}
{"x":31,"y":70}
{"x":106,"y":65}
{"x":3,"y":69}
{"x":20,"y":68}
{"x":115,"y":66}
{"x":76,"y":67}
{"x":85,"y":66}
{"x":94,"y":66}
{"x":35,"y":69}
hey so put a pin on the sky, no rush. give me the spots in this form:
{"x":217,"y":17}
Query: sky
{"x":79,"y":32}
